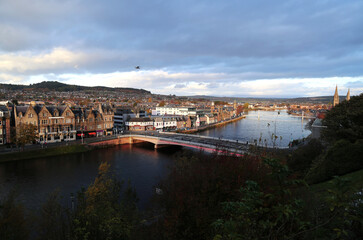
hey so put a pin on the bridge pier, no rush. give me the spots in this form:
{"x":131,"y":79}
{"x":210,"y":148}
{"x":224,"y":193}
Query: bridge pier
{"x":157,"y":146}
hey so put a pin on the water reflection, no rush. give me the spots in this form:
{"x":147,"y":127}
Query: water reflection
{"x":36,"y":178}
{"x":263,"y":126}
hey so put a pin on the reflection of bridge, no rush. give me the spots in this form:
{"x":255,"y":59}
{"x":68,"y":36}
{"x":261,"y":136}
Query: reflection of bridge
{"x":160,"y":140}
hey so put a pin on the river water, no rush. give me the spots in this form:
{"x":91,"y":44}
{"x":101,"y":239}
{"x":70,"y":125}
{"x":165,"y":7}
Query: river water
{"x":143,"y":166}
{"x":262,"y":126}
{"x":35,"y":179}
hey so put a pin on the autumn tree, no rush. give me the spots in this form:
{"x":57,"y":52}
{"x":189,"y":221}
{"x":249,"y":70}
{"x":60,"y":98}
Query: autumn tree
{"x":162,"y":104}
{"x":26,"y":133}
{"x":103,"y":212}
{"x":13,"y":224}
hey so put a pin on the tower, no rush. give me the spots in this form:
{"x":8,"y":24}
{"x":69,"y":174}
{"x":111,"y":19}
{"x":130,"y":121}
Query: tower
{"x":336,"y":97}
{"x":235,"y":105}
{"x":348,"y":95}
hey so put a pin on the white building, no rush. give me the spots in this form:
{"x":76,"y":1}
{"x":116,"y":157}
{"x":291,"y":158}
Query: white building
{"x":183,"y":111}
{"x":140,"y":124}
{"x":165,"y":122}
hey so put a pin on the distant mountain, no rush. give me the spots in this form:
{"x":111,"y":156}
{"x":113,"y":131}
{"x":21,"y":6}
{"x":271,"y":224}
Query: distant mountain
{"x":62,"y":87}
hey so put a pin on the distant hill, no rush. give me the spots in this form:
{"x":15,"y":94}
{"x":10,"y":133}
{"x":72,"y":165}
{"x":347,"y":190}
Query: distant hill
{"x":62,"y":87}
{"x":315,"y":100}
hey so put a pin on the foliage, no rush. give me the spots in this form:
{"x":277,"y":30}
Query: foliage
{"x":54,"y":220}
{"x":161,"y":103}
{"x":13,"y":224}
{"x":345,"y":121}
{"x":338,"y":213}
{"x":261,"y":212}
{"x":302,"y":158}
{"x":62,"y":87}
{"x":102,"y":213}
{"x":220,"y":103}
{"x":196,"y":186}
{"x":341,"y":158}
{"x":26,"y":133}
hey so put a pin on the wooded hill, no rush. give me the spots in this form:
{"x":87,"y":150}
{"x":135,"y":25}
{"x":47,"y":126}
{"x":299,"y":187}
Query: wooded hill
{"x":62,"y":87}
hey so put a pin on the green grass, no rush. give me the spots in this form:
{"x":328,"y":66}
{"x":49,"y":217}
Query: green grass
{"x":355,"y":179}
{"x":14,"y":156}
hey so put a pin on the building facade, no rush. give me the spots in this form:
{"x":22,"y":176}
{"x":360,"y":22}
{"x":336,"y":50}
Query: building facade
{"x":4,"y":125}
{"x":140,"y":124}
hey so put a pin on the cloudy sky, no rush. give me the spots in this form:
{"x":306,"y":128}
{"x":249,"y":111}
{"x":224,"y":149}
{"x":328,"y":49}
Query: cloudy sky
{"x":186,"y":47}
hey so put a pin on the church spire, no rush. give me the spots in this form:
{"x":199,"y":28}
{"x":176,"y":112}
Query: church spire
{"x":336,"y":96}
{"x":348,"y":95}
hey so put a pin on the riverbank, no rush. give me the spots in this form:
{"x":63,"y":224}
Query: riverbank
{"x":45,"y":152}
{"x":201,"y":129}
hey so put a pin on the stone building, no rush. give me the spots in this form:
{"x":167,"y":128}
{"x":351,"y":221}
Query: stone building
{"x":54,"y":123}
{"x":348,"y":95}
{"x":108,"y":118}
{"x":336,"y":97}
{"x":24,"y":115}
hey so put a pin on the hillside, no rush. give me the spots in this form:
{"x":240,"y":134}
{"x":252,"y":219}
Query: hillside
{"x":62,"y":87}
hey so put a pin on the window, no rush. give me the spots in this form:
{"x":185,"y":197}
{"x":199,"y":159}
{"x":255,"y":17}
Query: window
{"x":30,"y":115}
{"x":44,"y":114}
{"x":68,"y":120}
{"x":67,"y":114}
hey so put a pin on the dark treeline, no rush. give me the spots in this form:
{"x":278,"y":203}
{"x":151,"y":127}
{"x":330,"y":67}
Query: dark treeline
{"x":205,"y":196}
{"x":62,"y":87}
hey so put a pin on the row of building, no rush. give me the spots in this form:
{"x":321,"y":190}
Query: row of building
{"x":65,"y":123}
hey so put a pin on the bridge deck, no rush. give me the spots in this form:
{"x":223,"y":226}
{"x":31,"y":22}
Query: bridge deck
{"x":201,"y":142}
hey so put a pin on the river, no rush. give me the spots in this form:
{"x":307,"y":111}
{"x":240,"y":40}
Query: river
{"x":34,"y":179}
{"x":262,"y":126}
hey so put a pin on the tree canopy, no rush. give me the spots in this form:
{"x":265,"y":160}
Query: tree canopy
{"x":27,"y":133}
{"x":345,"y":121}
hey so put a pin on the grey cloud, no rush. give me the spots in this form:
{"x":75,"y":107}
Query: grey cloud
{"x":356,"y":84}
{"x":246,"y":40}
{"x":180,"y":86}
